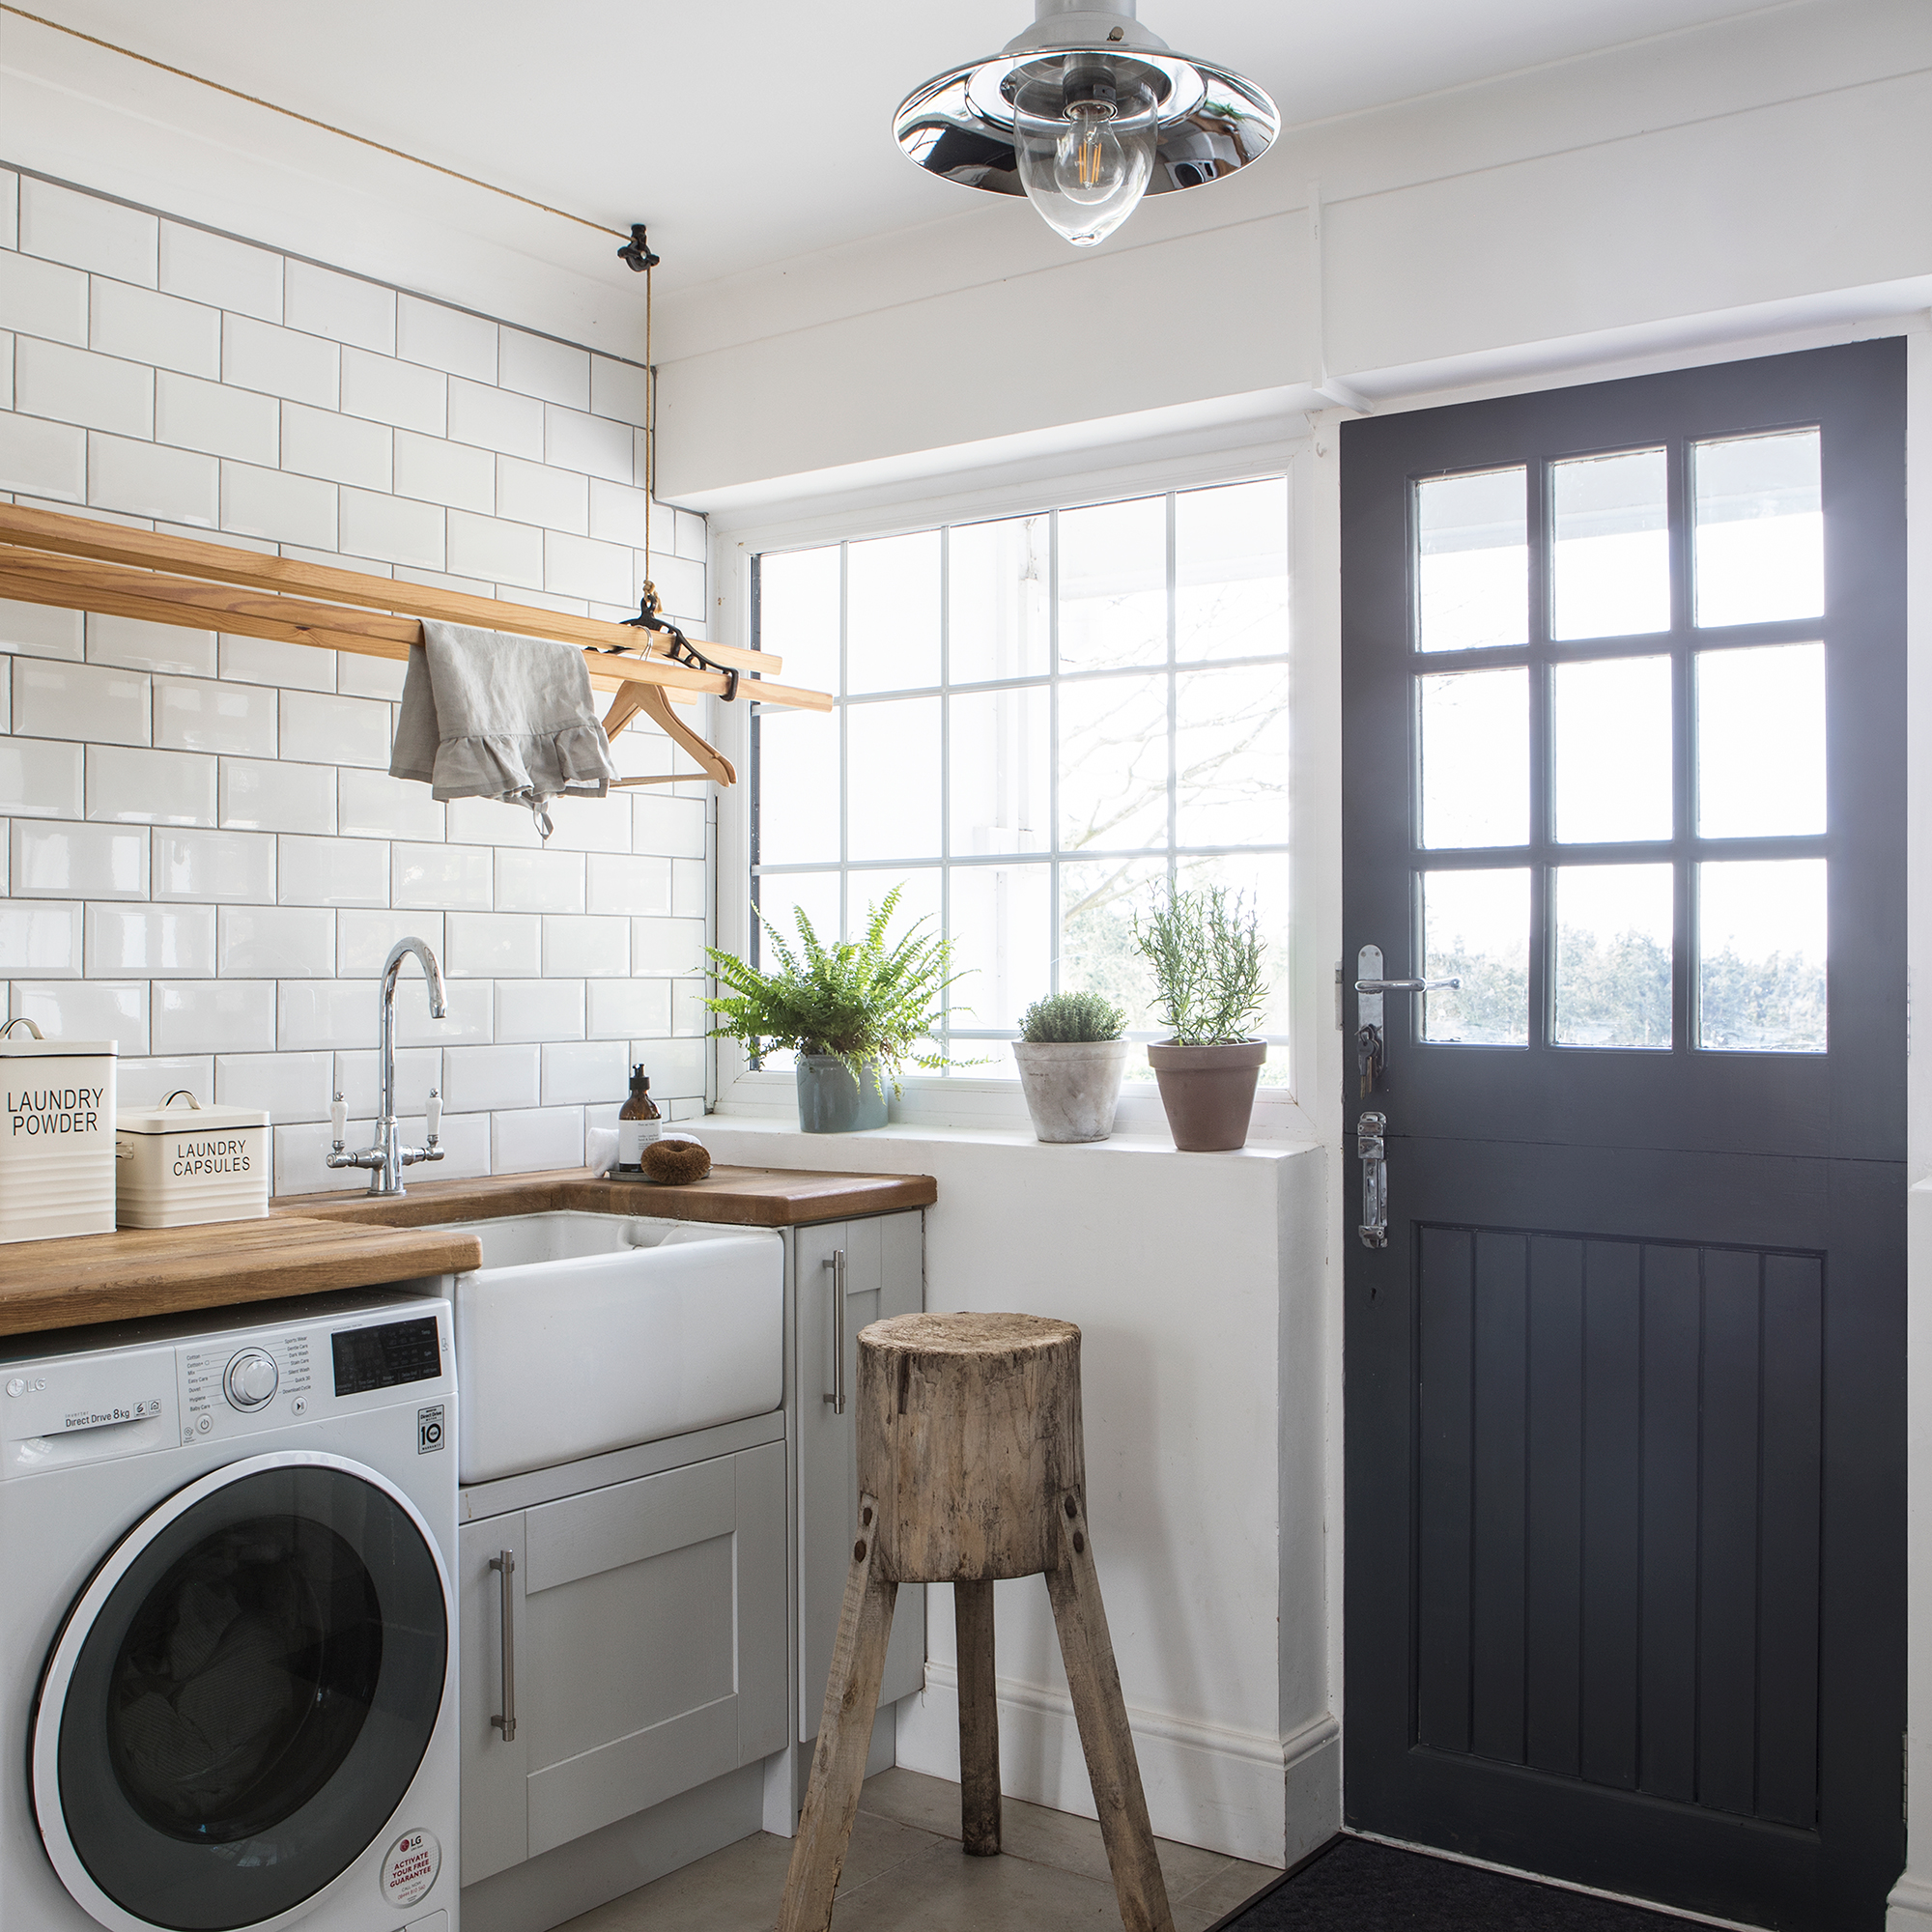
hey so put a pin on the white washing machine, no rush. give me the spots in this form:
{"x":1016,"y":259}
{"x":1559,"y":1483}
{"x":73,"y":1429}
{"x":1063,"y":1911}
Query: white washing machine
{"x":227,"y":1636}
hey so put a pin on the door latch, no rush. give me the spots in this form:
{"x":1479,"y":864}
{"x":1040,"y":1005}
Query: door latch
{"x":1371,"y":1038}
{"x":1372,"y":1149}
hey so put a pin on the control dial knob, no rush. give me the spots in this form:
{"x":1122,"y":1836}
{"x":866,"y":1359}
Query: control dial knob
{"x":251,"y":1380}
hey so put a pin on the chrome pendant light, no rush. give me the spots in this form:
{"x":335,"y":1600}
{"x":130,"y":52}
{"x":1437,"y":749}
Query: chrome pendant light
{"x":1085,"y":113}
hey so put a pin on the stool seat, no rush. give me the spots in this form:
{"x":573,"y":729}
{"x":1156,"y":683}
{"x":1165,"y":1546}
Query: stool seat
{"x":970,"y":1468}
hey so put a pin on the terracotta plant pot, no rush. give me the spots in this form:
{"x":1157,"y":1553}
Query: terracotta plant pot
{"x":1071,"y":1086}
{"x":830,"y":1101}
{"x":1209,"y":1092}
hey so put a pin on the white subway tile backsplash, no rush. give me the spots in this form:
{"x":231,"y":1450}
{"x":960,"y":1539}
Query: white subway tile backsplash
{"x":77,"y":385}
{"x":215,"y":1015}
{"x":135,"y":645}
{"x":289,"y":1087}
{"x":574,"y":441}
{"x":322,"y":303}
{"x":589,"y":946}
{"x":585,"y":1072}
{"x":365,"y":940}
{"x":617,"y":516}
{"x":39,"y":630}
{"x":321,"y":871}
{"x":528,"y":1143}
{"x":131,"y":942}
{"x":198,"y":714}
{"x":280,"y":362}
{"x":372,"y":805}
{"x":626,"y":1009}
{"x":477,"y":1079}
{"x":283,"y":509}
{"x":446,"y":338}
{"x":581,"y":567}
{"x":393,"y":529}
{"x":668,"y":945}
{"x":465,"y":1147}
{"x":261,"y":660}
{"x":401,"y":393}
{"x":621,"y":389}
{"x":222,"y":868}
{"x":681,"y":585}
{"x":454,"y":878}
{"x":359,"y":676}
{"x":691,"y":536}
{"x":41,"y":939}
{"x":441,"y":472}
{"x":531,"y":493}
{"x":39,"y":779}
{"x":335,"y":730}
{"x":493,"y":945}
{"x":591,"y":824}
{"x":535,"y":366}
{"x":156,"y":328}
{"x":676,"y":1067}
{"x":492,"y":821}
{"x":42,"y":458}
{"x":689,"y":889}
{"x":78,"y":700}
{"x":689,"y":1015}
{"x":46,"y":300}
{"x":51,"y":860}
{"x":87,"y":231}
{"x":226,"y":275}
{"x":510,"y":554}
{"x":216,"y":419}
{"x":540,"y":1010}
{"x":466,"y":1021}
{"x":301,"y":1160}
{"x":10,"y":210}
{"x":86,"y":1010}
{"x":359,"y":1079}
{"x":342,"y":449}
{"x":149,"y":479}
{"x":496,"y":419}
{"x":6,"y":369}
{"x":270,"y":795}
{"x":614,"y":884}
{"x":316,"y":1014}
{"x":276,"y":942}
{"x":141,"y":787}
{"x":540,"y":882}
{"x":148,"y":1082}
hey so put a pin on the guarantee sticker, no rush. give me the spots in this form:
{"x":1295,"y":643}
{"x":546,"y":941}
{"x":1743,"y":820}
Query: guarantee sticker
{"x":409,"y":1868}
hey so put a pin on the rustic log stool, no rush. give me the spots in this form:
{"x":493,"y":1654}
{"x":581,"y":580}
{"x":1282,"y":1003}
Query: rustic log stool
{"x":970,"y":1469}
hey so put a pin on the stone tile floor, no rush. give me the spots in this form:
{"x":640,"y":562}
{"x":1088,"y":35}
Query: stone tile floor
{"x":906,"y":1873}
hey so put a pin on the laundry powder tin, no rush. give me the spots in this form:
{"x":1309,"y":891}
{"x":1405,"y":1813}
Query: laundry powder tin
{"x":182,"y":1164}
{"x":56,"y":1135}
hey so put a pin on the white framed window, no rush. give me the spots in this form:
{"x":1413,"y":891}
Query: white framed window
{"x":1041,"y":718}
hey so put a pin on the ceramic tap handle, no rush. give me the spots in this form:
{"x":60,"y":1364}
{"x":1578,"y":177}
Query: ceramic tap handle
{"x":338,"y":1119}
{"x":435,"y":1116}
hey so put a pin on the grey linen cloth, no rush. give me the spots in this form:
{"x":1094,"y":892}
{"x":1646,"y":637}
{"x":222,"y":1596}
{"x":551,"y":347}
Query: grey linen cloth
{"x":489,"y":715}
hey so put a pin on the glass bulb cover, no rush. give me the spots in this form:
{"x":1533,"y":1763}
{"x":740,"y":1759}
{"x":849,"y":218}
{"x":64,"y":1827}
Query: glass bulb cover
{"x":1085,"y":131}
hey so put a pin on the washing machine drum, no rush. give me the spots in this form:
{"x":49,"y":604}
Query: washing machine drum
{"x":241,"y":1697}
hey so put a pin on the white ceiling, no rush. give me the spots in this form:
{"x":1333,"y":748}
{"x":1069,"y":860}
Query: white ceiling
{"x":753,"y":133}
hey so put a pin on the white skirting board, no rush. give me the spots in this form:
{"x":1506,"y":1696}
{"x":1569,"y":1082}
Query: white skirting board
{"x":1251,"y":1795}
{"x":1909,"y":1909}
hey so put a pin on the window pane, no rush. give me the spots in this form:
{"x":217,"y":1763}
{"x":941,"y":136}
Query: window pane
{"x":1761,"y":742}
{"x":1098,"y":900}
{"x":1113,"y":763}
{"x":797,"y":786}
{"x":892,"y":612}
{"x":1112,"y":586}
{"x":1230,"y":756}
{"x":1002,"y":927}
{"x":997,"y":583}
{"x":1611,"y":741}
{"x":798,"y":614}
{"x":891,"y":784}
{"x":778,"y":893}
{"x":1475,"y":758}
{"x":1614,"y":933}
{"x":1230,"y":571}
{"x":1475,"y":927}
{"x":1472,"y":571}
{"x":1760,"y":545}
{"x":1610,"y":562}
{"x":1262,"y":878}
{"x":1761,"y":955}
{"x":1002,"y":757}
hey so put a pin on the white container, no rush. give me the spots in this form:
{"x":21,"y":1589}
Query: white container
{"x":56,"y":1136}
{"x":180,"y":1167}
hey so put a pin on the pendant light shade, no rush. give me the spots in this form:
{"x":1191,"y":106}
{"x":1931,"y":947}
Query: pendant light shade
{"x":1085,"y":113}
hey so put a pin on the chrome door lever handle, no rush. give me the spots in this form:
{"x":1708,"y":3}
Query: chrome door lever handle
{"x":1406,"y":985}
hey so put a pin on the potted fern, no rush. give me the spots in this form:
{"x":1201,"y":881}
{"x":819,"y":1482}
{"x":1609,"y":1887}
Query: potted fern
{"x":1209,"y":987}
{"x":853,"y":1012}
{"x":1072,"y":1055}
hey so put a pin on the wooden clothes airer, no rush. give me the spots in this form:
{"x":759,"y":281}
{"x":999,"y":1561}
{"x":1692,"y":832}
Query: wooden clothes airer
{"x":81,"y":565}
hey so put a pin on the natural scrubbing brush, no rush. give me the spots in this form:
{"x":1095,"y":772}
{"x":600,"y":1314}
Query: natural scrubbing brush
{"x":674,"y":1161}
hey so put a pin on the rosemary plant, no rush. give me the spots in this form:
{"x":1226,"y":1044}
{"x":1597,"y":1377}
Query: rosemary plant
{"x":1209,"y":984}
{"x":1071,"y":1016}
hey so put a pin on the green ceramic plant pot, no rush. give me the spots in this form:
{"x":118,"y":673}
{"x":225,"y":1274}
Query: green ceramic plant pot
{"x":830,"y":1101}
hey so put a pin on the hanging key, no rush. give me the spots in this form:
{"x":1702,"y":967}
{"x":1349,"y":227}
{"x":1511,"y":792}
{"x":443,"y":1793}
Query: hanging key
{"x":1368,"y":1058}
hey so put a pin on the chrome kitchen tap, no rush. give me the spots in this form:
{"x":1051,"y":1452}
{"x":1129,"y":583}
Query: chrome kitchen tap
{"x":387,"y":1158}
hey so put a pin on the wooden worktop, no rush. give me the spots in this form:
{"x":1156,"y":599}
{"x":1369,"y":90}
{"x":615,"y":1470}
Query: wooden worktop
{"x":748,"y":1197}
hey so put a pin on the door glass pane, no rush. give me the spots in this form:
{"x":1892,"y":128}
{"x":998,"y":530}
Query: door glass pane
{"x":1610,"y":748}
{"x":1610,"y":562}
{"x":798,"y":614}
{"x":1761,"y":742}
{"x":798,"y":785}
{"x":1112,"y":586}
{"x":1230,"y":571}
{"x":892,"y":612}
{"x":1760,"y":542}
{"x":1230,"y":756}
{"x":1475,"y":927}
{"x":1472,"y":564}
{"x":1003,"y":921}
{"x":891,"y":784}
{"x":1613,"y":931}
{"x":1113,"y":762}
{"x":1475,"y":758}
{"x":997,"y":579}
{"x":1000,"y":762}
{"x":1761,"y":955}
{"x":1097,"y":901}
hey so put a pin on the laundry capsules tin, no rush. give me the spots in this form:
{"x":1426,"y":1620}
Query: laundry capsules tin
{"x":56,"y":1135}
{"x":181,"y":1163}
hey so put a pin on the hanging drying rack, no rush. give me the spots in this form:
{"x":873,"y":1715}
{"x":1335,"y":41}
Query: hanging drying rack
{"x":79,"y":564}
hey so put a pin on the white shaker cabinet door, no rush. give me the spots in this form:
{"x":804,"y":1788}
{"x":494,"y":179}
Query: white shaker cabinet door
{"x":495,"y":1771}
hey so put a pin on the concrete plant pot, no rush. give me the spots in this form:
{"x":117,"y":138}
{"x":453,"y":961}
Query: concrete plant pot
{"x":830,"y":1101}
{"x":1071,"y":1086}
{"x":1209,"y":1092}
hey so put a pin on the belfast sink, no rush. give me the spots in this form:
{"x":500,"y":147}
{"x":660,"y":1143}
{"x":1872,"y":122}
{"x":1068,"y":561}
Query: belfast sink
{"x":582,"y":1333}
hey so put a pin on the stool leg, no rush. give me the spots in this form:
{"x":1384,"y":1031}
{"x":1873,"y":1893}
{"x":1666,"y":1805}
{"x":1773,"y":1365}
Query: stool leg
{"x":979,"y":1720}
{"x":844,"y":1737}
{"x":1102,"y":1711}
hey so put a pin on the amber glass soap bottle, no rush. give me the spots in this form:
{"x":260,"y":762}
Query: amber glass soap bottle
{"x":638,"y":1123}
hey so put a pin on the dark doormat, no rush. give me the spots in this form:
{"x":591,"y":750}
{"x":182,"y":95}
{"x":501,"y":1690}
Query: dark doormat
{"x":1356,"y":1885}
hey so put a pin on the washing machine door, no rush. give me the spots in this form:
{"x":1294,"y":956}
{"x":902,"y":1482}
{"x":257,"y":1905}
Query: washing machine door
{"x":241,"y":1696}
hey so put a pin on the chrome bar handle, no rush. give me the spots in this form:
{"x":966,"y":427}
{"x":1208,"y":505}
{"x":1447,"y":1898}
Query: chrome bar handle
{"x":836,"y":1262}
{"x":1372,"y":1149}
{"x":1406,"y":985}
{"x":504,"y":1563}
